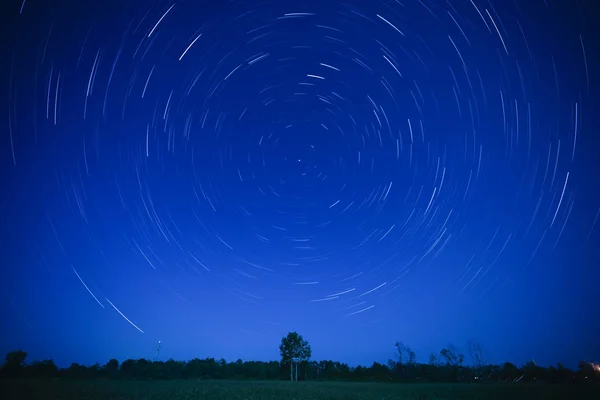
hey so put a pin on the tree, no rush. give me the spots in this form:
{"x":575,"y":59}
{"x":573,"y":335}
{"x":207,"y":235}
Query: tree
{"x":531,"y":371}
{"x":509,"y":372}
{"x":433,"y":359}
{"x":16,"y":358}
{"x":294,"y":349}
{"x":450,"y":355}
{"x":476,"y":354}
{"x":406,"y":358}
{"x":15,"y":364}
{"x":111,"y":368}
{"x":453,"y":359}
{"x":42,"y":369}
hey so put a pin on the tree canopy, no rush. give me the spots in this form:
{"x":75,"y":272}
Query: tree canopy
{"x":294,"y":348}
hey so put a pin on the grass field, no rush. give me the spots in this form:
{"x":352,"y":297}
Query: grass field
{"x":271,"y":390}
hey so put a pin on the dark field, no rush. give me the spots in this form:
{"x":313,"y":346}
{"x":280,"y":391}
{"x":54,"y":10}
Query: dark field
{"x":271,"y":390}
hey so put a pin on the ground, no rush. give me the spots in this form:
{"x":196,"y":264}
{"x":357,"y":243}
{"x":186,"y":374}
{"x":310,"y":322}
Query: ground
{"x":270,"y":390}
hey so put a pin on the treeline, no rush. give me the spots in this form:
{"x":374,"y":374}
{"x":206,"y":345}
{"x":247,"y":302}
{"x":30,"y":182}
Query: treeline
{"x":439,"y":369}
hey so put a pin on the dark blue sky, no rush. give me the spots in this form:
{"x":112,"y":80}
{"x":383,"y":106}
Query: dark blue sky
{"x":217,"y":175}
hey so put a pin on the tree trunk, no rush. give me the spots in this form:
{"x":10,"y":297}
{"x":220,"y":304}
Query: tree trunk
{"x":291,"y":371}
{"x":296,"y":372}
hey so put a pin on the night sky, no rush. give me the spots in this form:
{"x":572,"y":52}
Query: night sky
{"x":217,"y":174}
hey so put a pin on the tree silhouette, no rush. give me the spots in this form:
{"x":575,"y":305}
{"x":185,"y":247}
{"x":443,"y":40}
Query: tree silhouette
{"x":15,"y":364}
{"x":111,"y":368}
{"x":433,"y":360}
{"x":42,"y":369}
{"x":294,"y":349}
{"x":406,"y":361}
{"x":509,"y":372}
{"x":475,"y":350}
{"x":452,"y":357}
{"x":295,"y":352}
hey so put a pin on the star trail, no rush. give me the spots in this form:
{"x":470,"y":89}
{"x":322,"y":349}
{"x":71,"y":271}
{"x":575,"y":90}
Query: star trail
{"x":214,"y":175}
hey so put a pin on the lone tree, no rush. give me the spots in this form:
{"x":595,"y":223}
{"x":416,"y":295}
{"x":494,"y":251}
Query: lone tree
{"x":294,"y":349}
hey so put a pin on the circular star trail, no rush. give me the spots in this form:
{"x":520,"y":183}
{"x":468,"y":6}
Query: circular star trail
{"x":328,"y":156}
